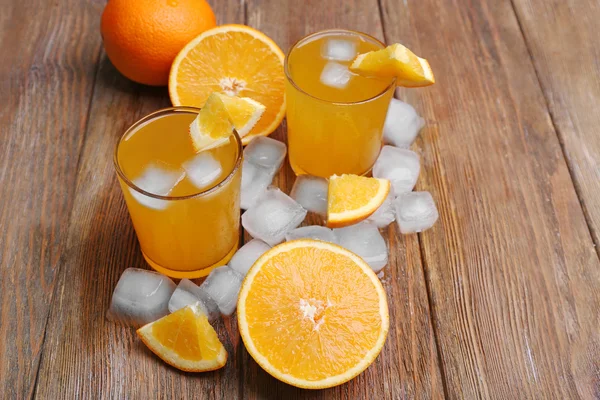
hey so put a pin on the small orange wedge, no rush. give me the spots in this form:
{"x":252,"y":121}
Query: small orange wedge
{"x":395,"y":61}
{"x":235,"y":60}
{"x":312,"y":314}
{"x":354,"y":198}
{"x":185,"y":340}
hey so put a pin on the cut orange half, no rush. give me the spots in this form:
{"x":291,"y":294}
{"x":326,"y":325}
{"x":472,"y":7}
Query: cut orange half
{"x":185,"y":340}
{"x":353,"y":198}
{"x":395,"y":61}
{"x":235,"y":60}
{"x":312,"y":314}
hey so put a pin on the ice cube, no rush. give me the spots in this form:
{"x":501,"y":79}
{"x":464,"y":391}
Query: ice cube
{"x":255,"y":180}
{"x":364,"y":240}
{"x":265,"y":151}
{"x":415,"y":212}
{"x":402,"y":124}
{"x":247,"y":255}
{"x":335,"y":75}
{"x":385,"y":214}
{"x":272,"y":216}
{"x":311,"y":193}
{"x":311,"y":232}
{"x":140,"y":297}
{"x":400,"y":166}
{"x":223,"y":286}
{"x":202,"y":169}
{"x":188,"y":293}
{"x":157,"y":178}
{"x":339,"y":50}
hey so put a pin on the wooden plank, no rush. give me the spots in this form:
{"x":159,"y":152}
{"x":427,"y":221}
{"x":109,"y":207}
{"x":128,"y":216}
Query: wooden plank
{"x":511,"y":267}
{"x":562,"y":37}
{"x":85,"y":356}
{"x":47,"y":68}
{"x":407,"y":366}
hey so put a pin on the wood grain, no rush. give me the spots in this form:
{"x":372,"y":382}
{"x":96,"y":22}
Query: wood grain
{"x":86,"y":356}
{"x":47,"y":71}
{"x":512,"y":271}
{"x":407,"y":368}
{"x":562,"y":37}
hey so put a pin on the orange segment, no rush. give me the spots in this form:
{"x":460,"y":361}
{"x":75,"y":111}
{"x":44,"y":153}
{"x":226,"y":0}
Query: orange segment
{"x":395,"y":61}
{"x":238,"y":61}
{"x":312,"y":314}
{"x":185,"y":340}
{"x":212,"y":127}
{"x":353,"y":198}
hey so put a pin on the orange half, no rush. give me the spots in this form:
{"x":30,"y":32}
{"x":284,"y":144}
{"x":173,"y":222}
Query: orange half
{"x":312,"y":314}
{"x":235,"y":60}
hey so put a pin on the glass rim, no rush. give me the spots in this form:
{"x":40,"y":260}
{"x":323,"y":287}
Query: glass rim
{"x":325,"y":31}
{"x":168,"y":111}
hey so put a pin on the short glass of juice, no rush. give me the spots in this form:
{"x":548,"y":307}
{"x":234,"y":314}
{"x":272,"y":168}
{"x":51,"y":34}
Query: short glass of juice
{"x":185,"y":206}
{"x":334,"y":117}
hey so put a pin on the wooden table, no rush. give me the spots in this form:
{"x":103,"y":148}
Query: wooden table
{"x":501,"y":299}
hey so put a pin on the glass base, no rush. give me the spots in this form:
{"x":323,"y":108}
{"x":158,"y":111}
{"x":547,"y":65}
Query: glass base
{"x":200,"y":273}
{"x":299,"y":171}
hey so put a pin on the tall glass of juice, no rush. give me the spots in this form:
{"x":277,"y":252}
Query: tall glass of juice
{"x":334,"y":117}
{"x":185,"y":207}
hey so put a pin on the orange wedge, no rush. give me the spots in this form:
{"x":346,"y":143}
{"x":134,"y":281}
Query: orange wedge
{"x":353,"y":198}
{"x":212,"y":127}
{"x":312,"y":314}
{"x":185,"y":340}
{"x":235,"y":60}
{"x":395,"y":61}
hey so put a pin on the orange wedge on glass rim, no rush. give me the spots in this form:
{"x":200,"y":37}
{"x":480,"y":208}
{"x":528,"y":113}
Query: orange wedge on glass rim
{"x":312,"y":314}
{"x":395,"y":61}
{"x":186,"y":340}
{"x":353,"y":198}
{"x":235,"y":60}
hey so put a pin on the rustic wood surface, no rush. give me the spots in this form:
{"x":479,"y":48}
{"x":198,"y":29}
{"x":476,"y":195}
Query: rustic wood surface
{"x":501,"y":299}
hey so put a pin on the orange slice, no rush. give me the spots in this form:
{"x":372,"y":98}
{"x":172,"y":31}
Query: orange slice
{"x":185,"y":340}
{"x":312,"y":314}
{"x":395,"y":61}
{"x":353,"y":198}
{"x":236,"y":60}
{"x":212,"y":127}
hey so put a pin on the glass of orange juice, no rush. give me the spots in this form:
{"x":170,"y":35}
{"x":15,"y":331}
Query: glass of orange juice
{"x":334,"y":117}
{"x":185,"y":207}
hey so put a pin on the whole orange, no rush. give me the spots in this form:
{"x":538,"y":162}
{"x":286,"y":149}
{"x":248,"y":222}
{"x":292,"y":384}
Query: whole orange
{"x":142,"y":37}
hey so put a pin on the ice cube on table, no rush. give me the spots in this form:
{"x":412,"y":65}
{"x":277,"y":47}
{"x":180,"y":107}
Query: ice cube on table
{"x":223,"y":286}
{"x":402,"y":124}
{"x":255,"y":180}
{"x":272,"y":216}
{"x":311,"y":232}
{"x":265,"y":151}
{"x":157,"y":178}
{"x":188,"y":293}
{"x":415,"y":212}
{"x":385,"y":214}
{"x":400,"y":166}
{"x":335,"y":75}
{"x":311,"y":193}
{"x":140,"y":297}
{"x":364,"y":240}
{"x":339,"y":50}
{"x":202,"y":169}
{"x":247,"y":255}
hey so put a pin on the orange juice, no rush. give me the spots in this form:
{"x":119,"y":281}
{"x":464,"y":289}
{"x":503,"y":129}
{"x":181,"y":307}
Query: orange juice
{"x":333,"y":130}
{"x":185,"y":210}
